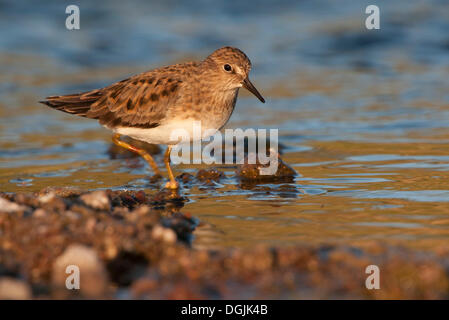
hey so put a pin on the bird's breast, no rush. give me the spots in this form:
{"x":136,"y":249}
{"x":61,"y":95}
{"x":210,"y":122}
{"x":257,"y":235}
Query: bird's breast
{"x":212,"y":108}
{"x":221,"y":108}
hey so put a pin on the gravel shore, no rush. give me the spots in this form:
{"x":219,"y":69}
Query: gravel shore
{"x":133,"y":245}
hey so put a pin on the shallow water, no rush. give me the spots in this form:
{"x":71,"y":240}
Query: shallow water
{"x":363,"y":115}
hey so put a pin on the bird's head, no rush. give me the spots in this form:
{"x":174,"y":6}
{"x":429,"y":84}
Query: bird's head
{"x":231,"y":67}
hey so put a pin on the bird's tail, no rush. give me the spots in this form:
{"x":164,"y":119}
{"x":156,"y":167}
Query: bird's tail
{"x":78,"y":103}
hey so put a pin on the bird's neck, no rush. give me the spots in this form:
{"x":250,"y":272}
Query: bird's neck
{"x":215,"y":89}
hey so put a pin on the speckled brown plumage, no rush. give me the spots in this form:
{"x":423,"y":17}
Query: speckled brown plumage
{"x":144,"y":100}
{"x":139,"y":101}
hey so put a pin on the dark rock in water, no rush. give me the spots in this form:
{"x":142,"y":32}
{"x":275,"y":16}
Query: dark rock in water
{"x":253,"y":172}
{"x":246,"y":149}
{"x":204,"y":175}
{"x":185,"y":178}
{"x":116,"y":152}
{"x":167,"y":196}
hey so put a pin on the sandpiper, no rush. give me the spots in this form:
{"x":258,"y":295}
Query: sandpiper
{"x":150,"y":105}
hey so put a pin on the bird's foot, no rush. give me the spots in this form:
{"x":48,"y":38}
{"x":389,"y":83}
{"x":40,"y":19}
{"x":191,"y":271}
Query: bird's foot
{"x":173,"y":185}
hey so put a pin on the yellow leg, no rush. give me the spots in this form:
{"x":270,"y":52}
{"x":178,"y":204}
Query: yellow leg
{"x":172,"y":184}
{"x":141,"y":152}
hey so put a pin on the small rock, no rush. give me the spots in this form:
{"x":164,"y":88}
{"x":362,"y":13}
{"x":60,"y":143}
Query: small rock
{"x":10,"y":207}
{"x":209,"y":175}
{"x":140,"y":196}
{"x":47,"y":197}
{"x":93,"y":279}
{"x":14,"y":289}
{"x":167,"y":195}
{"x":98,"y":200}
{"x":142,"y":210}
{"x":39,"y":213}
{"x":253,"y":171}
{"x":164,"y":234}
{"x":185,"y":178}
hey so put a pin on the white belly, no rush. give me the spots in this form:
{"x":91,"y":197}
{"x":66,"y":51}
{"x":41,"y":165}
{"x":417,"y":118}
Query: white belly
{"x":170,"y":133}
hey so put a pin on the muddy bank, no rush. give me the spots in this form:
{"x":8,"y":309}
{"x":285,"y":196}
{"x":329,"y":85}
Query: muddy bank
{"x":135,"y":245}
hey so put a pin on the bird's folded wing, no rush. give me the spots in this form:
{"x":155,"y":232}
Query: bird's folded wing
{"x":140,"y":101}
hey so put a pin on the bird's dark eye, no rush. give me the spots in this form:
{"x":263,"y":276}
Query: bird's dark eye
{"x":227,"y":67}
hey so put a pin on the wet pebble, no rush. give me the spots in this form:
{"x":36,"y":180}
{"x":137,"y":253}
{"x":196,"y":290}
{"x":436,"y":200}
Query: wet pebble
{"x":253,"y":170}
{"x":14,"y":289}
{"x":185,"y":178}
{"x":163,"y":234}
{"x":98,"y":200}
{"x":209,"y":175}
{"x":7,"y":206}
{"x":92,"y":281}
